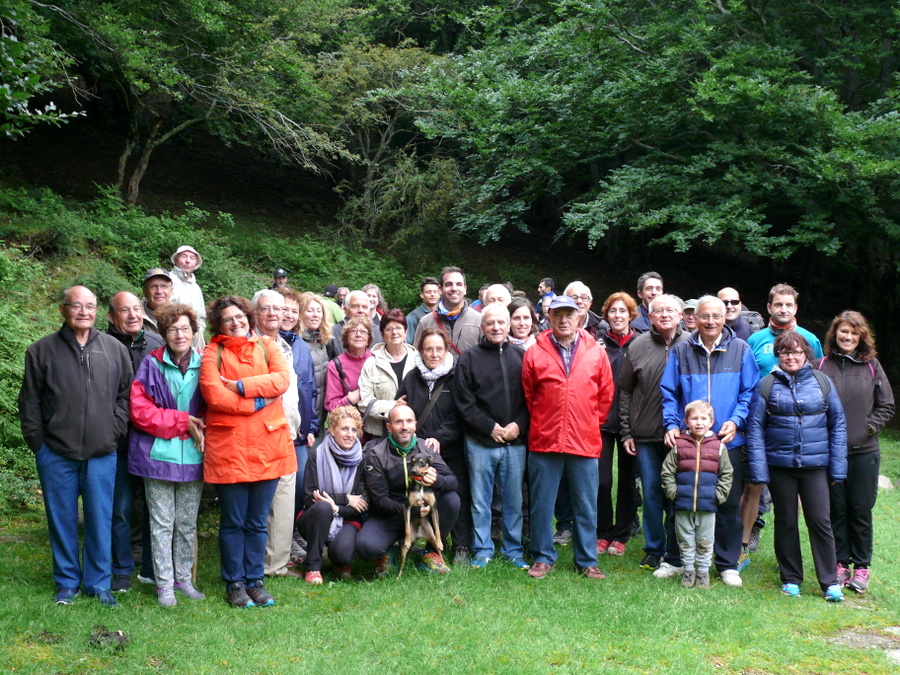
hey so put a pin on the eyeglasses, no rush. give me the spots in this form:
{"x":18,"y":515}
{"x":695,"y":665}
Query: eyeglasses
{"x":796,"y":352}
{"x":179,"y":331}
{"x":396,"y":328}
{"x":358,"y":331}
{"x":434,"y":350}
{"x":731,"y":302}
{"x":707,"y":317}
{"x":269,"y":309}
{"x":78,"y":306}
{"x":583,"y":297}
{"x":159,"y":287}
{"x":665,"y":310}
{"x":236,"y":319}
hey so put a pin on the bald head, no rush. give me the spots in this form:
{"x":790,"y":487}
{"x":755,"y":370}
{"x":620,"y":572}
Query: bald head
{"x":125,"y":313}
{"x":401,"y":424}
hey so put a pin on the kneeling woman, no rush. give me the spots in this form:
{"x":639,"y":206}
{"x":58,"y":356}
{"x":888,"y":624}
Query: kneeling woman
{"x":797,"y":443}
{"x":166,"y":449}
{"x":332,"y":496}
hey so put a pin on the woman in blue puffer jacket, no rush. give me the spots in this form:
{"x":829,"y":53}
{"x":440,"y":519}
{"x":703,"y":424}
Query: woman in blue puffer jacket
{"x":797,"y":443}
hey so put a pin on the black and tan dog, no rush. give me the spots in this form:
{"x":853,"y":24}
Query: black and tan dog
{"x":419,"y":498}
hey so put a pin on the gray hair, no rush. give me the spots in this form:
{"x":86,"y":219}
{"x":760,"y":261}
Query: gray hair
{"x":494,"y":308}
{"x":578,"y":287}
{"x":668,"y":298}
{"x":710,"y":300}
{"x":275,"y":296}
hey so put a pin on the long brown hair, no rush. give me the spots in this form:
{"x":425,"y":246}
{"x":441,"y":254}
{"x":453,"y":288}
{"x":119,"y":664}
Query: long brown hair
{"x":866,"y":350}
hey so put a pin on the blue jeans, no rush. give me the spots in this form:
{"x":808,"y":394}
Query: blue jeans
{"x":507,"y":465}
{"x":545,"y":470}
{"x":62,"y":481}
{"x":659,"y":516}
{"x":243,"y":528}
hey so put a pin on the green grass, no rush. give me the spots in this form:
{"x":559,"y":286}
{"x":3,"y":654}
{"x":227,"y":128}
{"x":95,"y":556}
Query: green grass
{"x":496,"y":620}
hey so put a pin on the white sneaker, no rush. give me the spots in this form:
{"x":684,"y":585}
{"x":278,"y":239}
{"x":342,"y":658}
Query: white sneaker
{"x":667,"y":571}
{"x":732,"y":578}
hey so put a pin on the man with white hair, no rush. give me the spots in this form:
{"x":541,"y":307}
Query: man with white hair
{"x":588,"y":320}
{"x":717,"y":367}
{"x":356,"y":304}
{"x":185,"y":289}
{"x":497,"y":293}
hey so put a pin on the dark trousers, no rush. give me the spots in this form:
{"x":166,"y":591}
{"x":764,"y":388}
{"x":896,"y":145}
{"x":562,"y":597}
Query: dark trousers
{"x":463,"y":529}
{"x":314,"y":525}
{"x":811,"y":485}
{"x":379,"y":533}
{"x":852,"y":502}
{"x":626,"y":491}
{"x":129,"y":493}
{"x":729,"y":526}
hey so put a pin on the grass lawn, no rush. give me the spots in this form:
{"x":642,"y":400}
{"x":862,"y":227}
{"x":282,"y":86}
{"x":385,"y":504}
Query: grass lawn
{"x":495,"y":620}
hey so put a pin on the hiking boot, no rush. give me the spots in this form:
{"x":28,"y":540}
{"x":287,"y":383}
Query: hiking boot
{"x":462,"y":557}
{"x":616,"y":548}
{"x":753,"y":543}
{"x":843,"y":575}
{"x":591,"y":572}
{"x":434,"y":563}
{"x":689,"y":579}
{"x":702,"y":580}
{"x":187,"y":589}
{"x":313,"y":578}
{"x":258,"y":593}
{"x":834,"y":594}
{"x":343,"y":572}
{"x":790,"y":590}
{"x":236,"y":595}
{"x":65,"y":596}
{"x":602,"y":546}
{"x":539,"y":570}
{"x":860,"y":582}
{"x":562,"y":537}
{"x":667,"y":571}
{"x":480,"y":563}
{"x":743,"y":559}
{"x":382,"y":566}
{"x":649,"y":562}
{"x":121,"y":583}
{"x":165,"y":597}
{"x":732,"y":578}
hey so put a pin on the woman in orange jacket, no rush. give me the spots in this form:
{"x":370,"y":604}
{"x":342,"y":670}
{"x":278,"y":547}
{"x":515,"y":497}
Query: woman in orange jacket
{"x":248,"y":446}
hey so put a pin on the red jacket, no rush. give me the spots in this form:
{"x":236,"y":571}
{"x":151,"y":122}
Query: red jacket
{"x":567,"y":412}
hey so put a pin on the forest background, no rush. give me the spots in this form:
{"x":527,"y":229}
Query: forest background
{"x":717,"y":142}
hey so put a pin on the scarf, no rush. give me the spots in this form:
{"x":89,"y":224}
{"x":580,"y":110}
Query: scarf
{"x":778,"y":330}
{"x":621,"y":340}
{"x":336,"y":473}
{"x":432,"y":376}
{"x":314,"y":336}
{"x":447,"y":314}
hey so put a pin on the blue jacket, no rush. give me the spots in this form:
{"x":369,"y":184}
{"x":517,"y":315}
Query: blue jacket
{"x":725,"y":379}
{"x":796,"y":428}
{"x":306,"y":385}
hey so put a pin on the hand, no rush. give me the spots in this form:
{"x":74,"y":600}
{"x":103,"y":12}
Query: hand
{"x":424,"y":510}
{"x":310,"y":440}
{"x":671,"y":435}
{"x":324,"y":497}
{"x":353,"y":397}
{"x":429,"y":477}
{"x":434,"y":444}
{"x":727,"y":431}
{"x":196,"y":428}
{"x":497,"y":433}
{"x":630,"y":447}
{"x":230,"y":385}
{"x":401,"y":401}
{"x":511,"y":432}
{"x":358,"y":503}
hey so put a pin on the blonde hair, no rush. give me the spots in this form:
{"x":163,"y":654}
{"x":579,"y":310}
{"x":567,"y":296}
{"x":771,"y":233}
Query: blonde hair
{"x":701,"y":407}
{"x":326,"y":325}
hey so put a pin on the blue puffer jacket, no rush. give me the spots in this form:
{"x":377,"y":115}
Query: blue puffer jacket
{"x":725,"y":379}
{"x":796,"y":428}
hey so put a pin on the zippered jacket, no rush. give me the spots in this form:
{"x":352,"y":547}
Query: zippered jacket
{"x":725,"y":379}
{"x":75,"y":399}
{"x":615,"y":352}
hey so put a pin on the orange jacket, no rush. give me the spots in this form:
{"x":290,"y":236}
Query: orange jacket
{"x":243,"y":444}
{"x":567,"y":411}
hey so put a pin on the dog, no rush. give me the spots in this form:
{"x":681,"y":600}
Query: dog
{"x":419,"y":495}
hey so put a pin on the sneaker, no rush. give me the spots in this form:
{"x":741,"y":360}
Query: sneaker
{"x":791,"y":590}
{"x":298,"y":549}
{"x":732,"y":578}
{"x":616,"y":548}
{"x":106,"y":599}
{"x":433,"y":562}
{"x":562,"y":537}
{"x":237,"y":596}
{"x":343,"y":572}
{"x":743,"y":559}
{"x":834,"y":594}
{"x":539,"y":570}
{"x":121,"y":583}
{"x":462,"y":557}
{"x":65,"y":596}
{"x":518,"y":563}
{"x":667,"y":571}
{"x":753,"y":543}
{"x":602,"y":546}
{"x":860,"y":581}
{"x":689,"y":578}
{"x":649,"y":562}
{"x":843,"y":575}
{"x":382,"y":566}
{"x":313,"y":578}
{"x":259,"y":595}
{"x":479,"y":563}
{"x":702,"y":580}
{"x":592,"y":572}
{"x":147,"y":579}
{"x":187,"y":590}
{"x":165,"y":597}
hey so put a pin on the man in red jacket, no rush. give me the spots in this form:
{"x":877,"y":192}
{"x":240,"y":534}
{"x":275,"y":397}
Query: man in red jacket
{"x":568,"y":387}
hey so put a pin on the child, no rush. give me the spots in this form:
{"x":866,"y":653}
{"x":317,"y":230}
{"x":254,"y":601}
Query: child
{"x":696,"y":476}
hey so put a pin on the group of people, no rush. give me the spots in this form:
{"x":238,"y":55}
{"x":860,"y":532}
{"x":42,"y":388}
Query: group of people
{"x":304,"y":410}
